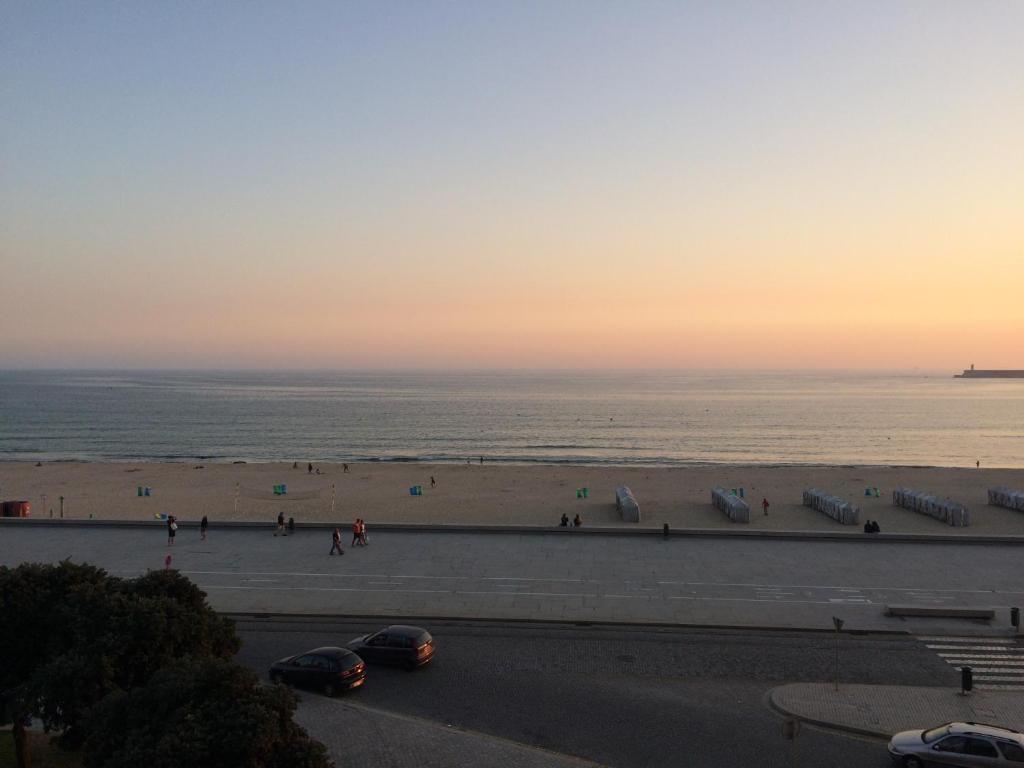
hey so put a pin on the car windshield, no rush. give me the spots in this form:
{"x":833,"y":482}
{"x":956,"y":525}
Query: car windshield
{"x":935,"y":733}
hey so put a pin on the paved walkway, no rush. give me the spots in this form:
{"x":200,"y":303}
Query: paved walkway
{"x":715,"y":582}
{"x":882,"y":710}
{"x":357,"y":735}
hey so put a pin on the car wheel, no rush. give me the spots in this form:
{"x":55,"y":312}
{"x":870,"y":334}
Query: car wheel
{"x":912,"y":762}
{"x":276,"y":678}
{"x":330,"y":690}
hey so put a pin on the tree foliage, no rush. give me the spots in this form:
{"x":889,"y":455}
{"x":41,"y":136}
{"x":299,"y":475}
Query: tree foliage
{"x":200,"y":713}
{"x":82,"y":634}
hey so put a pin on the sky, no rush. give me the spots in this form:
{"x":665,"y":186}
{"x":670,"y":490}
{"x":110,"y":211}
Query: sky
{"x":834,"y":185}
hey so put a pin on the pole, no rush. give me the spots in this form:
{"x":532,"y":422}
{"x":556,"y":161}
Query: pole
{"x":837,"y":659}
{"x":838,"y":624}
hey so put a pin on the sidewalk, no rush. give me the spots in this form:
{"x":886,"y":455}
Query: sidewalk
{"x":357,"y":735}
{"x":882,"y":710}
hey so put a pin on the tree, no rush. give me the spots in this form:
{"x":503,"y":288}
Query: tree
{"x":199,"y":713}
{"x":83,"y":634}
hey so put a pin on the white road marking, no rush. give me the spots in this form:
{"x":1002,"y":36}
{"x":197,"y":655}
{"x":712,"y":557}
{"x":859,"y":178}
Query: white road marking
{"x":966,"y":648}
{"x":995,"y":687}
{"x":942,"y":639}
{"x":982,"y":656}
{"x":822,"y":586}
{"x":1001,"y":678}
{"x":999,"y":670}
{"x":969,"y":661}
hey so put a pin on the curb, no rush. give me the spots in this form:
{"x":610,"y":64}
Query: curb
{"x":568,"y":624}
{"x":823,"y":723}
{"x":721,"y":533}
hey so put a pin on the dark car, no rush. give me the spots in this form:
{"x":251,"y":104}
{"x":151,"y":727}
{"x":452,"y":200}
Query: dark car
{"x":330,"y":670}
{"x":401,"y":645}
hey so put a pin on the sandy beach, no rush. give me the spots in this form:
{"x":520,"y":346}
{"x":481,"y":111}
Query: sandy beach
{"x":496,"y":494}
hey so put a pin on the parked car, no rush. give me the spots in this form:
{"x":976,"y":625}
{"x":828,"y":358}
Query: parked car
{"x":330,"y":670}
{"x":959,"y":744}
{"x":400,"y":645}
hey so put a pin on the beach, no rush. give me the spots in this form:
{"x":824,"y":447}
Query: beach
{"x":493,"y":494}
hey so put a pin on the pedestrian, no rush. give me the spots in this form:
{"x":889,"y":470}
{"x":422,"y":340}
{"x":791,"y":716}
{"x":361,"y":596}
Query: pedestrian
{"x":875,"y":527}
{"x":481,"y":461}
{"x":764,"y":506}
{"x":867,"y":527}
{"x":167,"y":562}
{"x":336,"y":542}
{"x":565,"y":521}
{"x":362,"y":532}
{"x":355,"y":532}
{"x":280,"y":525}
{"x":577,"y":521}
{"x":295,"y":465}
{"x":433,"y":482}
{"x":344,"y":468}
{"x":978,"y":463}
{"x":172,"y":529}
{"x":203,"y":525}
{"x":309,"y":468}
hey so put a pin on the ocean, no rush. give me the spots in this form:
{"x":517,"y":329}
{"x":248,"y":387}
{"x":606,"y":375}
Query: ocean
{"x":656,"y":418}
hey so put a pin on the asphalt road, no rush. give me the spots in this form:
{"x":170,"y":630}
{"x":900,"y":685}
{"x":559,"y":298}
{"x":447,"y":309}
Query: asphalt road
{"x":618,"y":696}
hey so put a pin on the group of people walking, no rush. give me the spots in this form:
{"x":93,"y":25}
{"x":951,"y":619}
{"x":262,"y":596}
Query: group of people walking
{"x":358,"y":537}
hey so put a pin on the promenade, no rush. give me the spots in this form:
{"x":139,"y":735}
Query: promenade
{"x":560,"y":575}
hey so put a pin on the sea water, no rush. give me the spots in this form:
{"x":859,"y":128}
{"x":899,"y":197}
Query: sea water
{"x":669,"y":418}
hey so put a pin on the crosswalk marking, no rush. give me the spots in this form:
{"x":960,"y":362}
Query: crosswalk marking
{"x":982,"y":655}
{"x":997,"y":663}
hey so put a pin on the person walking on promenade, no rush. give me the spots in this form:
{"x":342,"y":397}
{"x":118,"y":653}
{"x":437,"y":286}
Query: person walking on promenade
{"x":203,"y":525}
{"x":355,"y":532}
{"x":764,"y":506}
{"x":336,"y":542}
{"x":362,"y":532}
{"x":280,"y":525}
{"x":577,"y":521}
{"x":172,"y":529}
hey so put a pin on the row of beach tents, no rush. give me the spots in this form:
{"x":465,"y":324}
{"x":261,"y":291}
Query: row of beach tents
{"x":736,"y":508}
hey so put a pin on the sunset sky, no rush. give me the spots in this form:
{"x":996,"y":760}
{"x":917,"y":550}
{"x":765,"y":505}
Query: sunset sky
{"x":512,"y":184}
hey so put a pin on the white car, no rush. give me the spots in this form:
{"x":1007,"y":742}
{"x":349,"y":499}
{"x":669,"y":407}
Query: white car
{"x":965,"y":745}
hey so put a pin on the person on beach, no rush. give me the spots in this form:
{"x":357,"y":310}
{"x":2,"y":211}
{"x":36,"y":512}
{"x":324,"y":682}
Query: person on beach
{"x":172,"y":529}
{"x":481,"y":461}
{"x":978,"y":463}
{"x":362,"y":533}
{"x":336,"y":542}
{"x":203,"y":525}
{"x":577,"y":521}
{"x":565,"y":521}
{"x":344,"y":469}
{"x":355,"y":532}
{"x":280,"y":525}
{"x":433,"y":482}
{"x":309,"y":468}
{"x":764,"y":506}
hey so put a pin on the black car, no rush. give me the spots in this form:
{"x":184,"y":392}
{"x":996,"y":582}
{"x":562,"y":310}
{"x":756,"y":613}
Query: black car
{"x":330,"y":670}
{"x":401,"y":645}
